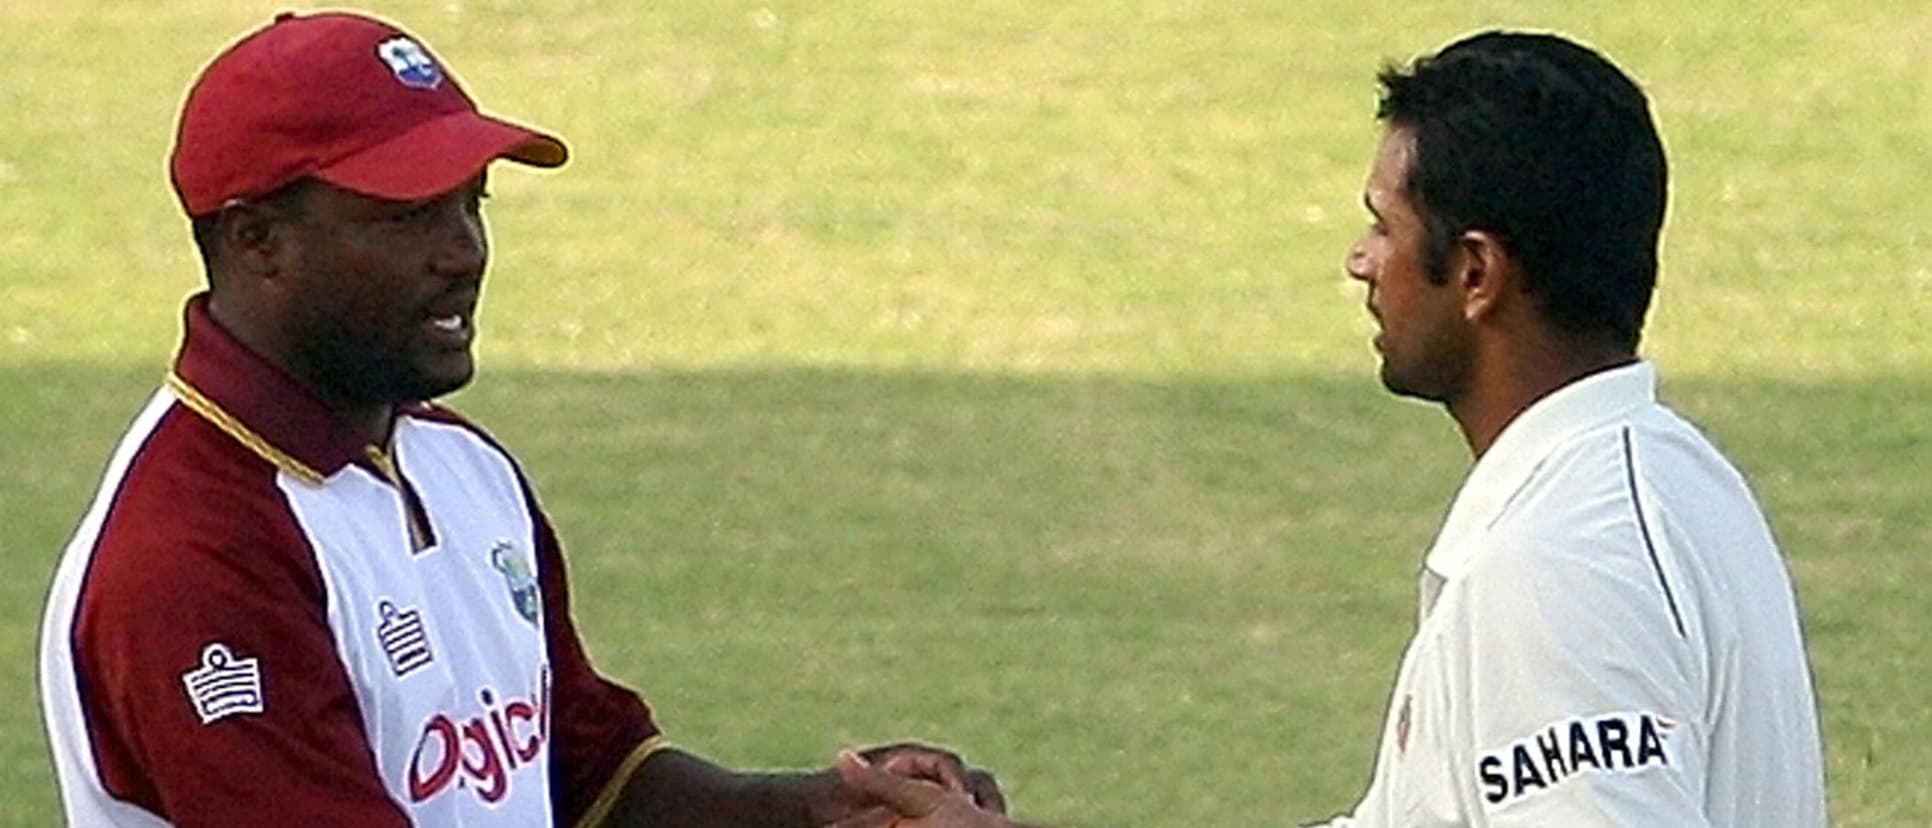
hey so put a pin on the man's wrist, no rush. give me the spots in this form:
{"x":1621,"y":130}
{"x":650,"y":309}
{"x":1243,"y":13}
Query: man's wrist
{"x":674,"y":789}
{"x":806,"y":800}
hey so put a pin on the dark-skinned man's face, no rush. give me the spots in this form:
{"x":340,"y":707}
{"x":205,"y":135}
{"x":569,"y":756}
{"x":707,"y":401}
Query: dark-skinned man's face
{"x":383,"y":293}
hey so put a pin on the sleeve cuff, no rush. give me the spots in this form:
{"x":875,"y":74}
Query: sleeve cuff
{"x":607,"y":799}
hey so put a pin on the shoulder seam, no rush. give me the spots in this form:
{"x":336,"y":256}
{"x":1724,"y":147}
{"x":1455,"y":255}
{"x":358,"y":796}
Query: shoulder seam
{"x":1643,"y":528}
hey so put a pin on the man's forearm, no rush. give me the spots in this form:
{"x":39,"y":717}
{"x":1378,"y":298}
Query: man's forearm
{"x":673,"y":789}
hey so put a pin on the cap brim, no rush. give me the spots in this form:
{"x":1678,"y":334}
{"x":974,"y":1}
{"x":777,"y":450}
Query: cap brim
{"x":439,"y":155}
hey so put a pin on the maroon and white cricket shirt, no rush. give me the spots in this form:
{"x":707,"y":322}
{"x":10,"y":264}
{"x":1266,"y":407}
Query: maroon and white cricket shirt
{"x":262,"y":619}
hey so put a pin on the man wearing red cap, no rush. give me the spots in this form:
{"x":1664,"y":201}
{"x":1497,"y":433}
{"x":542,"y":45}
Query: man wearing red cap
{"x":306,"y":592}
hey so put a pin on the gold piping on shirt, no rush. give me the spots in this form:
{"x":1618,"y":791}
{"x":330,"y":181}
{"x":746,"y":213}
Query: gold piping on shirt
{"x":416,"y":520}
{"x":607,"y":799}
{"x":221,"y":419}
{"x":380,"y":459}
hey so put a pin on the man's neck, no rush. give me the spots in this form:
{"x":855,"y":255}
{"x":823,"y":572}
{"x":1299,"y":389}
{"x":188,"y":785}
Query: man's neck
{"x":1522,"y":376}
{"x":372,"y":421}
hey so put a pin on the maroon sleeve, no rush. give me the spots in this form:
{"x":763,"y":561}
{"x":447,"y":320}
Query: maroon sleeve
{"x":199,"y":574}
{"x":595,"y":723}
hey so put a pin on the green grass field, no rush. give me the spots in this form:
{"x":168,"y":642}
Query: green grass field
{"x":984,"y":372}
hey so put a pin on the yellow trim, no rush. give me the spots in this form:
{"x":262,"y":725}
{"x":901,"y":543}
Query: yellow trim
{"x":381,"y":461}
{"x":607,"y":799}
{"x":418,"y":522}
{"x":200,"y":404}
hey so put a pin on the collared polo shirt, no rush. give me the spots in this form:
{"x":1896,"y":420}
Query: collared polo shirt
{"x":263,"y":620}
{"x":1607,"y":636}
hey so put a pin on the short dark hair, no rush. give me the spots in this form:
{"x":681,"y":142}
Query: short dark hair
{"x":1548,"y":146}
{"x":207,"y":226}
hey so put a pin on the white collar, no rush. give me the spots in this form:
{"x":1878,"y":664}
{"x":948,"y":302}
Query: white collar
{"x":1523,"y":445}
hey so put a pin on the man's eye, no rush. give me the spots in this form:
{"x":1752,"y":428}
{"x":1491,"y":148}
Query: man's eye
{"x":412,"y":214}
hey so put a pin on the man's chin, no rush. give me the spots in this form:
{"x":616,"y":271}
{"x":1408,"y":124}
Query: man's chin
{"x":441,"y":374}
{"x":1402,"y":386}
{"x":437,"y":386}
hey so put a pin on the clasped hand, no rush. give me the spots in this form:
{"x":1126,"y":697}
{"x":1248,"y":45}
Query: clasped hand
{"x":904,"y":786}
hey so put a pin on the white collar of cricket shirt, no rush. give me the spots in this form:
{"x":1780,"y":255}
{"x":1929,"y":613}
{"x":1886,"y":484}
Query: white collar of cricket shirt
{"x":1525,"y":443}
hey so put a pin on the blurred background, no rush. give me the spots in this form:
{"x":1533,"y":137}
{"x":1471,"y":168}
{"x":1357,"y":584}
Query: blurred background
{"x":985,"y":372}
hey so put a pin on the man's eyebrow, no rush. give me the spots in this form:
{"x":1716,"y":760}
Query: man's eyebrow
{"x":1370,"y":206}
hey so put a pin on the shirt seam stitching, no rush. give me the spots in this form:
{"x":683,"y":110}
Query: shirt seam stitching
{"x":1643,"y":529}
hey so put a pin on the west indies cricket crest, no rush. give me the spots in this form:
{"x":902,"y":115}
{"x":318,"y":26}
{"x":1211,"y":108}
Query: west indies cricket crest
{"x":519,"y":577}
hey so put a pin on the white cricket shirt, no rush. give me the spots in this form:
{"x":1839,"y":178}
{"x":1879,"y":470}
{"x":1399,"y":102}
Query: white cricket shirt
{"x":1607,"y":637}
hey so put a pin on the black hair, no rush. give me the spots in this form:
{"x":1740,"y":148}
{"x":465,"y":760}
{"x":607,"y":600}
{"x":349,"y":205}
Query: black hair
{"x":207,"y":227}
{"x":1549,"y":147}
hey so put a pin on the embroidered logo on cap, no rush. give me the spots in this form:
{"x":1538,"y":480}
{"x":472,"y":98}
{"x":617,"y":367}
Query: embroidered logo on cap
{"x":224,"y":685}
{"x":520,"y":577}
{"x":409,"y":63}
{"x":404,"y":639}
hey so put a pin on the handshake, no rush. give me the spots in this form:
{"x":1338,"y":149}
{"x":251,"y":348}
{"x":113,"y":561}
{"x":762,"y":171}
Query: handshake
{"x":919,"y":790}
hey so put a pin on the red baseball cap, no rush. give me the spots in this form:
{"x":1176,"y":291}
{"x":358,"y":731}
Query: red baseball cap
{"x":344,"y":98}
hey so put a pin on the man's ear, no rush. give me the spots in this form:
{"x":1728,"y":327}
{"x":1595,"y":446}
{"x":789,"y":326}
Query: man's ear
{"x":254,"y":239}
{"x":1486,"y":272}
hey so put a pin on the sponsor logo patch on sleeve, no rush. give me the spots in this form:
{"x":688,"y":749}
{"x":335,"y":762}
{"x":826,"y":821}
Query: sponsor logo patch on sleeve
{"x":1613,"y":743}
{"x":224,"y":685}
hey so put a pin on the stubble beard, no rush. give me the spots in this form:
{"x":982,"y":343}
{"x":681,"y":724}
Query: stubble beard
{"x":1436,"y":380}
{"x":356,"y":367}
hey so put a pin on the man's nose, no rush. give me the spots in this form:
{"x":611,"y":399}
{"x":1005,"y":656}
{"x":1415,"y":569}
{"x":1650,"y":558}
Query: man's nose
{"x":1356,"y":263}
{"x":462,"y":247}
